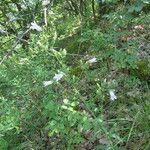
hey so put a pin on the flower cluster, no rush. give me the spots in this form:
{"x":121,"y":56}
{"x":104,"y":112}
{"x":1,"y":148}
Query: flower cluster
{"x":56,"y":78}
{"x":60,"y":75}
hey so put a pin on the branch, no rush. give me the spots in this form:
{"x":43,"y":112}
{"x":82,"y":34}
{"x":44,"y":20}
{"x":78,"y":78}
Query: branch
{"x":9,"y":52}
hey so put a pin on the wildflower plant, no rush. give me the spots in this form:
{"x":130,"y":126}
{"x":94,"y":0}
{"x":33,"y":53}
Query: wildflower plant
{"x":74,"y":85}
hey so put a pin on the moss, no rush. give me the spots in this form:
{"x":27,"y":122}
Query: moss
{"x":73,"y":46}
{"x":143,"y":70}
{"x":76,"y":71}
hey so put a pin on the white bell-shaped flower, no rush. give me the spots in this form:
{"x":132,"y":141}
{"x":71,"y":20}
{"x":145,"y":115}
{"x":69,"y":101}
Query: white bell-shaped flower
{"x":93,"y":60}
{"x":45,"y":2}
{"x":46,"y":83}
{"x":112,"y":95}
{"x":58,"y":76}
{"x":35,"y":26}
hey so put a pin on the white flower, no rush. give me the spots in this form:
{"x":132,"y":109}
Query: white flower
{"x":112,"y":95}
{"x":65,"y":101}
{"x":93,"y":60}
{"x":45,"y":2}
{"x":140,"y":27}
{"x":34,"y":26}
{"x":46,"y":83}
{"x":58,"y":76}
{"x":2,"y":31}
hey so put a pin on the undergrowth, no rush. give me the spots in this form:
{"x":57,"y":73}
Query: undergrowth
{"x":80,"y":85}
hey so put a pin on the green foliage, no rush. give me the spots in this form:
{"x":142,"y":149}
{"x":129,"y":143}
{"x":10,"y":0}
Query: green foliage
{"x":78,"y":83}
{"x":138,"y":6}
{"x":3,"y":144}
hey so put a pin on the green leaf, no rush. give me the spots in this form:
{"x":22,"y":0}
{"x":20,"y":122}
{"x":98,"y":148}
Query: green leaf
{"x":3,"y":144}
{"x":138,"y":8}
